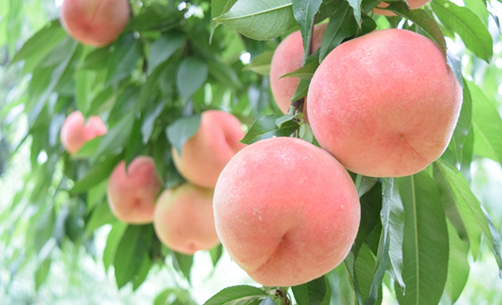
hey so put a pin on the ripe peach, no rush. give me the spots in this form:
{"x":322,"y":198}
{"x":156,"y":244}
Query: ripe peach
{"x":132,"y":193}
{"x":287,"y":58}
{"x":385,"y":104}
{"x":414,"y":4}
{"x":74,"y":133}
{"x":184,"y":219}
{"x":286,"y":211}
{"x":204,"y":155}
{"x":94,"y":22}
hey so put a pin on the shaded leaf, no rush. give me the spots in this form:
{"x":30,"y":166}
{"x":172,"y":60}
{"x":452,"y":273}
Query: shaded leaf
{"x":266,"y":127}
{"x":191,"y":75}
{"x":304,"y":12}
{"x":163,"y":48}
{"x":182,"y":130}
{"x":261,"y":63}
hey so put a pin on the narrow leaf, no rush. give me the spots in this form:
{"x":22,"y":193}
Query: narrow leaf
{"x":458,"y":265}
{"x":422,"y":20}
{"x":425,"y":245}
{"x":304,"y":12}
{"x":467,"y":25}
{"x":342,"y":25}
{"x":163,"y":48}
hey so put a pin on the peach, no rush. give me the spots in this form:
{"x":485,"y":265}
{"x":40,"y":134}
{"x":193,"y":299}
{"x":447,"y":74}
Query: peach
{"x":204,"y":155}
{"x":184,"y":219}
{"x":94,"y":22}
{"x":385,"y":104}
{"x":414,"y":4}
{"x":74,"y":134}
{"x":287,"y":58}
{"x":131,"y":193}
{"x":286,"y":211}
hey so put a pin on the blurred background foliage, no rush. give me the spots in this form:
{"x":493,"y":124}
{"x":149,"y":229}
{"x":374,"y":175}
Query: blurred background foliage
{"x":51,"y":247}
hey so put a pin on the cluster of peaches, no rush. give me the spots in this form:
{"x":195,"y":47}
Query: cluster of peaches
{"x":383,"y":105}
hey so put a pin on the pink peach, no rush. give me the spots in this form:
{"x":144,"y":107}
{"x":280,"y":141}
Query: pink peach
{"x":287,"y":58}
{"x":286,"y":211}
{"x":74,"y":134}
{"x":94,"y":22}
{"x":132,"y":192}
{"x":204,"y":155}
{"x":385,"y":104}
{"x":184,"y":219}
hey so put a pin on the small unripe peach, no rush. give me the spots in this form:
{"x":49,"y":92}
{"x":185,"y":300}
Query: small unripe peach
{"x":74,"y":134}
{"x":385,"y":104}
{"x":287,"y":58}
{"x":286,"y":211}
{"x":184,"y":219}
{"x":94,"y":22}
{"x":132,"y":192}
{"x":204,"y":155}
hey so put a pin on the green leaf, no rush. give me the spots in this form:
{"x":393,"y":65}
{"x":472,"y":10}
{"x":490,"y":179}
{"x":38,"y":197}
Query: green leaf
{"x":315,"y":292}
{"x":461,"y":206}
{"x":371,"y":205}
{"x":100,"y":216}
{"x":116,"y":137}
{"x":216,"y":253}
{"x":495,"y":241}
{"x":382,"y":259}
{"x":236,"y":295}
{"x":260,"y":20}
{"x":461,"y":131}
{"x":219,"y":7}
{"x":83,"y":89}
{"x":487,"y":125}
{"x":41,"y":43}
{"x":422,"y":20}
{"x":365,"y":268}
{"x":124,"y":59}
{"x":96,"y":174}
{"x":306,"y":72}
{"x":163,"y":48}
{"x":182,"y":297}
{"x":356,"y":8}
{"x":149,"y":121}
{"x":112,"y":242}
{"x":182,"y":130}
{"x":132,"y":248}
{"x":304,"y":12}
{"x":458,"y":265}
{"x":302,"y":90}
{"x":224,"y":73}
{"x":183,"y":263}
{"x":341,"y":26}
{"x":143,"y":271}
{"x":467,"y":25}
{"x":261,"y":63}
{"x":97,"y":59}
{"x":425,"y":245}
{"x":364,"y":184}
{"x":266,"y":127}
{"x":42,"y":272}
{"x":191,"y":75}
